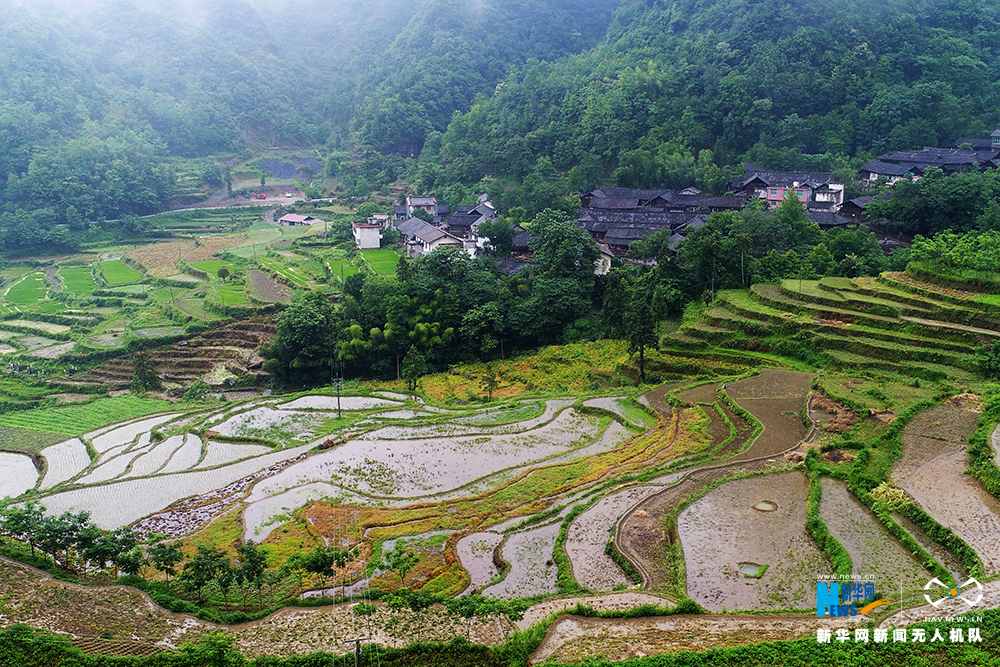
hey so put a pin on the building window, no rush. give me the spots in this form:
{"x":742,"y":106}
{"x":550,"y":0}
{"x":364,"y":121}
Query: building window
{"x":798,"y":192}
{"x":774,"y":193}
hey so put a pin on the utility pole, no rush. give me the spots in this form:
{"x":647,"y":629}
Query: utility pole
{"x":337,"y":382}
{"x":357,"y":648}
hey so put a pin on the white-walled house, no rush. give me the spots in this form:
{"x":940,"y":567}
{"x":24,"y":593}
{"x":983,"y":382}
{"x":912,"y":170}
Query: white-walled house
{"x":367,"y":236}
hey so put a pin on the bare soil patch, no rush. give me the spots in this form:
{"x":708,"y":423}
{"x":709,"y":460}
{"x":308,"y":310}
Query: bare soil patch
{"x":842,"y":419}
{"x":722,"y":530}
{"x":159,"y":259}
{"x":266,"y":289}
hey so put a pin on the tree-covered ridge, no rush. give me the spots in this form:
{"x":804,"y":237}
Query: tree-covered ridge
{"x":453,"y":50}
{"x":793,"y":85}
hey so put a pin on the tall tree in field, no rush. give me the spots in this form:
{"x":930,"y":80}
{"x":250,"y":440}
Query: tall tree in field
{"x":641,"y":320}
{"x":302,"y":349}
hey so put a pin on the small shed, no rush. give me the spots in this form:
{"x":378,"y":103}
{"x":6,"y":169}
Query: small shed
{"x":295,"y":219}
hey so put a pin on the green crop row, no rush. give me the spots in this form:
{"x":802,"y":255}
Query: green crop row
{"x":75,"y":420}
{"x":828,"y":544}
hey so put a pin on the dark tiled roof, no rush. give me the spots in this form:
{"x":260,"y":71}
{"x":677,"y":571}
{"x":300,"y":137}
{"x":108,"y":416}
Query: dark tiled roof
{"x":415,"y":228}
{"x":784,"y":178}
{"x":860,"y":202}
{"x":598,"y":219}
{"x":464,"y":208}
{"x":708,"y":201}
{"x":829,"y":219}
{"x":509,"y":267}
{"x":628,"y":193}
{"x":522,"y":240}
{"x":889,"y":168}
{"x":981,"y":143}
{"x":462,"y":219}
{"x":610,"y":203}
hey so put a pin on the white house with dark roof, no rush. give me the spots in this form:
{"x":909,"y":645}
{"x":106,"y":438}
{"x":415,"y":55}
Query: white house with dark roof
{"x":422,"y":238}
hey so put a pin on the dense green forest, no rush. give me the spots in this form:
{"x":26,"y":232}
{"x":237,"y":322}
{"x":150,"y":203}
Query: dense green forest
{"x":787,"y":85}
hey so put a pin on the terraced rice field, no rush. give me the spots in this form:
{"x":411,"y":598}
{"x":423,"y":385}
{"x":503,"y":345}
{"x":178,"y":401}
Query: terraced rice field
{"x":75,"y":420}
{"x":383,"y":261}
{"x":872,"y":550}
{"x":723,"y":531}
{"x":77,"y":280}
{"x":27,"y":291}
{"x":18,"y":474}
{"x":891,"y":323}
{"x":116,"y":272}
{"x":64,"y":461}
{"x":532,"y":571}
{"x":288,"y":273}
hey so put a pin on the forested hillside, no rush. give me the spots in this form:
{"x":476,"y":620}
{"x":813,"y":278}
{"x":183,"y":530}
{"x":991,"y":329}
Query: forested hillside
{"x":787,"y":85}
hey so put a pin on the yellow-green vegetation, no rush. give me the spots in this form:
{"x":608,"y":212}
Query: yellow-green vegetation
{"x":382,"y":261}
{"x":30,"y":289}
{"x":78,"y":280}
{"x":77,"y":419}
{"x":116,"y":272}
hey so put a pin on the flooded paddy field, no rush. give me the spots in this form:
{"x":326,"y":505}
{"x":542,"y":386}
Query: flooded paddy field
{"x":958,"y":501}
{"x":413,"y":468}
{"x":589,"y":533}
{"x":532,"y":570}
{"x":17,"y":474}
{"x":776,"y":398}
{"x":722,"y":531}
{"x":64,"y":462}
{"x":931,"y":433}
{"x":872,"y":549}
{"x":475,"y":552}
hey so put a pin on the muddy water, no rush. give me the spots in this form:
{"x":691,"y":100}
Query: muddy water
{"x":17,"y":474}
{"x":589,"y":533}
{"x":126,"y":434}
{"x":932,"y":433}
{"x":532,"y":570}
{"x":722,"y":530}
{"x":873,"y":551}
{"x":63,"y":461}
{"x":413,"y":468}
{"x":219,"y":453}
{"x":772,"y":382}
{"x":956,"y":500}
{"x":705,"y":393}
{"x":475,"y":552}
{"x":330,"y":403}
{"x":411,"y":432}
